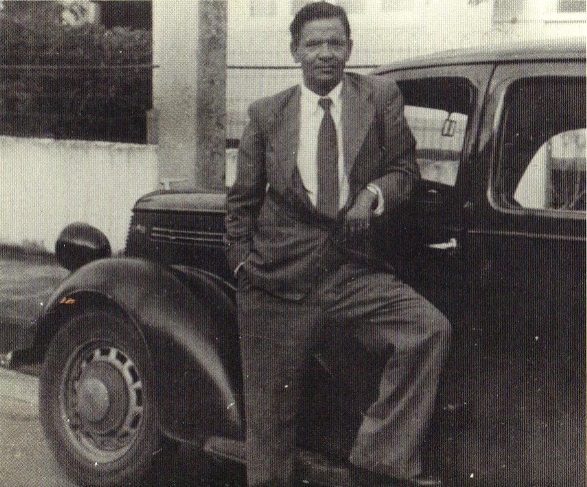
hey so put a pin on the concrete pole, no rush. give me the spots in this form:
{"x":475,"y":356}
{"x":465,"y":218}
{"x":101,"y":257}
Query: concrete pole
{"x":189,"y":91}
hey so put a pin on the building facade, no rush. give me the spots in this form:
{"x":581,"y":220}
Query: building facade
{"x":388,"y":30}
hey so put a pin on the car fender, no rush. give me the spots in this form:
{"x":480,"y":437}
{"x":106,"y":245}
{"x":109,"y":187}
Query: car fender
{"x":178,"y":316}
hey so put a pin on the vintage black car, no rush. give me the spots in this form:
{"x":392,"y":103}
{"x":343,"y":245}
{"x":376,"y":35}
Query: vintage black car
{"x":142,"y":351}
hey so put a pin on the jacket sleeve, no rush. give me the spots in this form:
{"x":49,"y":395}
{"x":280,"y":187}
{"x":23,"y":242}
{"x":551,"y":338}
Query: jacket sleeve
{"x":398,"y":148}
{"x":246,"y":195}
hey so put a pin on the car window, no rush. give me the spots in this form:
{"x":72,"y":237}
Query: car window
{"x":555,"y":176}
{"x":439,"y":140}
{"x":541,"y":161}
{"x":437,"y":111}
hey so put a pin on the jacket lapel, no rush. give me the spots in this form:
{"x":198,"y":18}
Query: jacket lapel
{"x":286,"y":125}
{"x":358,"y":112}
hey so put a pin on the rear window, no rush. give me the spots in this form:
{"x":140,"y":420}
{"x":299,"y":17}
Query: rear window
{"x":541,"y":164}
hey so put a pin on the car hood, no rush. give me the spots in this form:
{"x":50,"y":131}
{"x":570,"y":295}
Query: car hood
{"x":182,"y":201}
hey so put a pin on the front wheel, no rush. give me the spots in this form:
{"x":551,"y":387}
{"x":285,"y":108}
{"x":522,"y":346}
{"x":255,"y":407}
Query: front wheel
{"x":96,"y":400}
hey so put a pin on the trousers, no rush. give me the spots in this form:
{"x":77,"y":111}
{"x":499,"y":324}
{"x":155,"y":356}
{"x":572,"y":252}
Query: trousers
{"x":277,"y":337}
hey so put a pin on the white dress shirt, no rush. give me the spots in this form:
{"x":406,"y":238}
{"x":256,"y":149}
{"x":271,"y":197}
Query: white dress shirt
{"x":310,"y":119}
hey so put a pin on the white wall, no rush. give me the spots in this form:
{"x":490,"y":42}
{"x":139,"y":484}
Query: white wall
{"x":46,"y":184}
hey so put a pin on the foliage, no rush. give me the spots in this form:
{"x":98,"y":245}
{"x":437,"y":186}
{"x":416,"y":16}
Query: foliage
{"x":71,"y":82}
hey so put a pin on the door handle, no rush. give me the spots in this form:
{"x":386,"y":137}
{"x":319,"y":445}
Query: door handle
{"x":451,"y":244}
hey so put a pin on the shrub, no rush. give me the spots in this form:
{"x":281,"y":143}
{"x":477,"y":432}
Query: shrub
{"x":72,"y":82}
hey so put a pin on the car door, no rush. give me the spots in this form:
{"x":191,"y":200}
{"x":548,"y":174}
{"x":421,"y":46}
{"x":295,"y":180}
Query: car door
{"x":424,"y":239}
{"x":526,"y":259}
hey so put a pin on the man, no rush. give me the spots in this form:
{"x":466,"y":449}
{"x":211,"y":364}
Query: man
{"x":316,"y":164}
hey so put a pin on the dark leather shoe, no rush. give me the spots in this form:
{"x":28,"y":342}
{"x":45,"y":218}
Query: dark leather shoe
{"x":424,"y":481}
{"x":361,"y":477}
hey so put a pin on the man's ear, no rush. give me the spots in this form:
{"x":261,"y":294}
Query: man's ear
{"x":293,"y":48}
{"x":349,"y":49}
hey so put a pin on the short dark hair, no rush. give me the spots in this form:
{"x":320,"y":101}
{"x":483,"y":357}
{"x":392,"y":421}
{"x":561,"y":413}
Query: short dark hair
{"x":316,"y":11}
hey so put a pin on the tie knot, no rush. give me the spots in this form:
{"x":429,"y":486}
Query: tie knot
{"x":325,"y":103}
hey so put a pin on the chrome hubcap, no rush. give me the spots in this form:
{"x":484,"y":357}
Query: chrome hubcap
{"x":101,"y":398}
{"x":94,"y":400}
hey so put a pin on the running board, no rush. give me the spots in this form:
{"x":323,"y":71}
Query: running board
{"x":313,"y":467}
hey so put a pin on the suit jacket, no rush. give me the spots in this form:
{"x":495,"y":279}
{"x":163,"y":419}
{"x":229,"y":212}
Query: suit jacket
{"x":271,"y":224}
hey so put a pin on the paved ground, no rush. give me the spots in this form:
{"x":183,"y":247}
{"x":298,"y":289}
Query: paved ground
{"x":25,"y":460}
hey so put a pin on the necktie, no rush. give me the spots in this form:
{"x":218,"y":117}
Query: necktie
{"x":327,"y":160}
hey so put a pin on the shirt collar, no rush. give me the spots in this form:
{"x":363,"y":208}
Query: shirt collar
{"x":311,"y":98}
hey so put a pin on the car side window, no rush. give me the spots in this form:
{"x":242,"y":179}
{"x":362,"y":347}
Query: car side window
{"x":439,"y":140}
{"x":437,"y":111}
{"x":541,"y":164}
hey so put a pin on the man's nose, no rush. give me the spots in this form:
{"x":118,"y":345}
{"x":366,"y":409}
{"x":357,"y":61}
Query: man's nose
{"x":325,"y":51}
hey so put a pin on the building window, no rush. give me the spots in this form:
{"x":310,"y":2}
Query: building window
{"x":263,"y":8}
{"x":397,"y":5}
{"x":571,"y":6}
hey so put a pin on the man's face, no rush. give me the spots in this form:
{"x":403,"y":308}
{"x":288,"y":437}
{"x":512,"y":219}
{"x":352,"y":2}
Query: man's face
{"x":323,"y":51}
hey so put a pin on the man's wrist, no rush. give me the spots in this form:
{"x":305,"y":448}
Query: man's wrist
{"x":372,"y":195}
{"x":377,"y":205}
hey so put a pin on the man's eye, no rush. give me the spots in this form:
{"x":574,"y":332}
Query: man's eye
{"x":334,"y":44}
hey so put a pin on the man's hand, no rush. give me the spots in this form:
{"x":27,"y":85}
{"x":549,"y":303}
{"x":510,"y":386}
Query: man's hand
{"x":358,"y":218}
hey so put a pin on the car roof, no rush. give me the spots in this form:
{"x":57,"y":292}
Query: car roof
{"x":545,"y":50}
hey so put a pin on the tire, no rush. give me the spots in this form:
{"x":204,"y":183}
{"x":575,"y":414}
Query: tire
{"x":97,"y":400}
